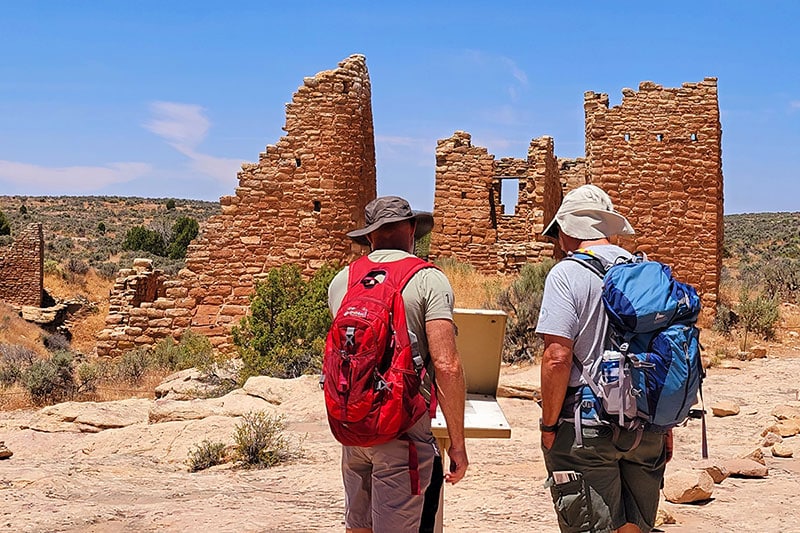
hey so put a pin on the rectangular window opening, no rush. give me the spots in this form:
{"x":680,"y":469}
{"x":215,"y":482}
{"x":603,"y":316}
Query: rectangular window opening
{"x":463,"y":195}
{"x":509,"y":195}
{"x":317,"y":206}
{"x":659,"y":137}
{"x":627,"y":137}
{"x":297,"y":162}
{"x":693,"y":137}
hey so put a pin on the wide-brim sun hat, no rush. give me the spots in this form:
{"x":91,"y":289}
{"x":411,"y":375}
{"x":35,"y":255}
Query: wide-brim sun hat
{"x":387,"y":210}
{"x":587,"y":213}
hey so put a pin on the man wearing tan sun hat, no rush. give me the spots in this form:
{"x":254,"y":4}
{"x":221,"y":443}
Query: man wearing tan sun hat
{"x":595,"y":486}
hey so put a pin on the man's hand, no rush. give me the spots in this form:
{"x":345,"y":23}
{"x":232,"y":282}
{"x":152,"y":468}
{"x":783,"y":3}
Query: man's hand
{"x":548,"y":438}
{"x":668,"y":445}
{"x":458,"y":465}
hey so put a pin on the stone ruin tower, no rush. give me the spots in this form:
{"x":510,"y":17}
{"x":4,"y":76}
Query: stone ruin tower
{"x":471,"y":221}
{"x":659,"y":157}
{"x":22,"y":268}
{"x":293,"y":206}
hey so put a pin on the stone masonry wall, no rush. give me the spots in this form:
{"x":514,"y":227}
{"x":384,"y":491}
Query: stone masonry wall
{"x":138,"y":313}
{"x":22,"y":268}
{"x":293,"y":206}
{"x":572,"y":173}
{"x":659,"y":157}
{"x":472,"y":224}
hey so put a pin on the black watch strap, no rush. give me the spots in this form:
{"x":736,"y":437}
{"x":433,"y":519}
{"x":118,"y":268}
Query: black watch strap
{"x":547,"y":429}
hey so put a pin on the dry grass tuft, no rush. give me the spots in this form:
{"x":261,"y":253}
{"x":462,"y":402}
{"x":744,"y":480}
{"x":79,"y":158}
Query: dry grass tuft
{"x":472,"y":289}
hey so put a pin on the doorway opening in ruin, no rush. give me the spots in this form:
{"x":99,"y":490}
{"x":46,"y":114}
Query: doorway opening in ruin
{"x":509,"y":194}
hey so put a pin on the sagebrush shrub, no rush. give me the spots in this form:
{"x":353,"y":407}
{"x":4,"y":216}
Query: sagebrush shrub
{"x":55,"y":342}
{"x":522,"y":301}
{"x":260,"y":441}
{"x":50,"y":380}
{"x":193,"y":351}
{"x":758,"y":313}
{"x":14,"y":360}
{"x":205,"y":455}
{"x":133,"y":365}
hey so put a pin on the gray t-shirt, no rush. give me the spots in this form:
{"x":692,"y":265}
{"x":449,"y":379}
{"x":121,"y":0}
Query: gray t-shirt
{"x":572,"y":308}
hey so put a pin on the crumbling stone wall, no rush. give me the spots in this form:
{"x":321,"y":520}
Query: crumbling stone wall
{"x":293,"y":206}
{"x":140,"y":313}
{"x":572,"y":173}
{"x":22,"y":268}
{"x":473,"y":224}
{"x":659,"y":156}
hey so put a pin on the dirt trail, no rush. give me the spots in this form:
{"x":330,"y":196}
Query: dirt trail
{"x":117,"y":480}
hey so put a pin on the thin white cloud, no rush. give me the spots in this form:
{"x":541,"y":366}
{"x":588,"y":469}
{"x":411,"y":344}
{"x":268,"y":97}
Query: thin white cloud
{"x":794,"y":104}
{"x":504,"y":64}
{"x":184,"y":127}
{"x":417,"y":150}
{"x":69,"y":180}
{"x":178,"y":124}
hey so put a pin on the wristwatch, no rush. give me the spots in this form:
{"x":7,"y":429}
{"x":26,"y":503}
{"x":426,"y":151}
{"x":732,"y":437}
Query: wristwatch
{"x":544,"y":428}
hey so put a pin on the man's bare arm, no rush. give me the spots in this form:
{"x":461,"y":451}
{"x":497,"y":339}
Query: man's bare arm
{"x":556,"y":368}
{"x":450,"y":391}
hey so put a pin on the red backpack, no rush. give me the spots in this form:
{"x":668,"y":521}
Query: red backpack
{"x":371,"y":374}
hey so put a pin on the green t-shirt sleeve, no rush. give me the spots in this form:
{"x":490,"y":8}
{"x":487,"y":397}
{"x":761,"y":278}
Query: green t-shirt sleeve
{"x":438,"y":295}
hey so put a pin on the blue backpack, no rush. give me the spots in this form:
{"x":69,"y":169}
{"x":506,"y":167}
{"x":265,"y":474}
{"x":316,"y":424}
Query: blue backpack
{"x":652,"y":375}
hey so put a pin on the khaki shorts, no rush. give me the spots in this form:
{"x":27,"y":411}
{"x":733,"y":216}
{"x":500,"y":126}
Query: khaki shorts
{"x":612,"y":487}
{"x":377,"y":483}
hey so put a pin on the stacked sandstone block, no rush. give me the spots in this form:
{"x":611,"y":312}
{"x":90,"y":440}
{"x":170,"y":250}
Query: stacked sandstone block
{"x":658,"y":155}
{"x":142,"y":310}
{"x":472,"y":224}
{"x":22,"y":268}
{"x":293,"y":206}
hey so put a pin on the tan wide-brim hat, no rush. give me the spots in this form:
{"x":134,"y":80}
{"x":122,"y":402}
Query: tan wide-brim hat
{"x":587,"y":213}
{"x":389,"y":209}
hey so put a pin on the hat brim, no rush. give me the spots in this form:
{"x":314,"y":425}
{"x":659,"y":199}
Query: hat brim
{"x":588,"y":224}
{"x":424,"y":226}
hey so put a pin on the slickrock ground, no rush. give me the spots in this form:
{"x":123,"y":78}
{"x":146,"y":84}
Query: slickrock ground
{"x":68,"y":473}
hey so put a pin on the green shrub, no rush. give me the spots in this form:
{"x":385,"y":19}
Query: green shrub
{"x":205,"y":455}
{"x":170,"y":204}
{"x":183,"y":232}
{"x":284,"y":336}
{"x":50,"y":380}
{"x":5,"y":227}
{"x":55,"y":342}
{"x":758,"y":313}
{"x":14,"y":360}
{"x":101,"y":228}
{"x":77,"y":266}
{"x":133,"y":365}
{"x":193,"y":351}
{"x":52,"y":267}
{"x":522,"y":301}
{"x":141,"y":238}
{"x":88,"y":376}
{"x":107,"y":270}
{"x":260,"y":441}
{"x":779,"y":276}
{"x":23,"y":210}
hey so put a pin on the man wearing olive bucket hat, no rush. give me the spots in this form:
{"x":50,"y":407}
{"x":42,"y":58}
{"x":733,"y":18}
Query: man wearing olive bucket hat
{"x":378,"y":495}
{"x":595,"y":486}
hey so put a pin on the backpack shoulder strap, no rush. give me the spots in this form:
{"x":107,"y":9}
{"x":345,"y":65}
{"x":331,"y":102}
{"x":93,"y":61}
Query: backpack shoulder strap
{"x":588,"y":259}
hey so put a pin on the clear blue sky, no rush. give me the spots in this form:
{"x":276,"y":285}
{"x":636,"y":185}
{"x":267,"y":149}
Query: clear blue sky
{"x":166,"y":99}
